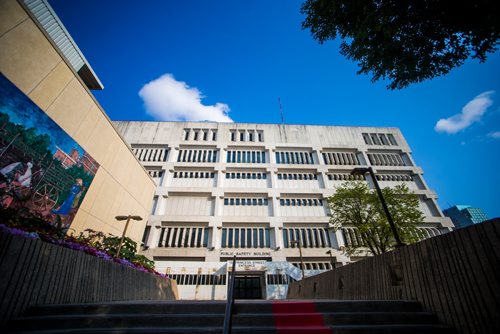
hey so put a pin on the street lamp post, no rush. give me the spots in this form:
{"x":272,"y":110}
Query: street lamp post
{"x":127,"y":218}
{"x":297,"y":242}
{"x":331,"y":258}
{"x":363,"y":171}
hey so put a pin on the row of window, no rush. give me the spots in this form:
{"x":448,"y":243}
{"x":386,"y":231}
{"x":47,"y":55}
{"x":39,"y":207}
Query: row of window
{"x":281,"y":176}
{"x":340,"y":158}
{"x":394,"y":177}
{"x":246,"y":157}
{"x":345,"y":177}
{"x":246,"y":201}
{"x":184,"y":237}
{"x":279,"y":279}
{"x":200,"y":134}
{"x":194,"y":175}
{"x":248,"y":176}
{"x":298,"y":158}
{"x":297,"y":176}
{"x":247,"y":135}
{"x":352,"y":237}
{"x":151,"y":154}
{"x":314,"y":265}
{"x":308,"y":237}
{"x":257,"y":237}
{"x":198,"y":279}
{"x":379,"y":139}
{"x":197,"y":156}
{"x":155,"y":173}
{"x":385,"y":159}
{"x":301,"y":202}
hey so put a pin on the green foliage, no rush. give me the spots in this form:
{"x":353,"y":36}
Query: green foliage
{"x":109,"y":244}
{"x":354,"y":205}
{"x":127,"y":251}
{"x":143,"y":261}
{"x":406,"y":41}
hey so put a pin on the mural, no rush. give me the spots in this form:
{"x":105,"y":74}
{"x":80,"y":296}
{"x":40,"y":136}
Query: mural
{"x":43,"y":171}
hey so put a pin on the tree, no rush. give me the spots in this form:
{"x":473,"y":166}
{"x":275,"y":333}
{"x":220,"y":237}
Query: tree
{"x":406,"y":41}
{"x":354,"y":205}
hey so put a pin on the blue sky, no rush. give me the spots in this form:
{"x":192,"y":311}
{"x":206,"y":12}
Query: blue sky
{"x":242,"y":55}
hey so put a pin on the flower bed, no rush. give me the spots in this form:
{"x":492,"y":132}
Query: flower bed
{"x":72,"y":242}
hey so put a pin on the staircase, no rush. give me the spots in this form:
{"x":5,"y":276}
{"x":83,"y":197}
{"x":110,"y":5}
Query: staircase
{"x":290,"y":317}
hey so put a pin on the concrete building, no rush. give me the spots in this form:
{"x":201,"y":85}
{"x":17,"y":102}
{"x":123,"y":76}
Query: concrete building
{"x":465,"y":215}
{"x":248,"y":190}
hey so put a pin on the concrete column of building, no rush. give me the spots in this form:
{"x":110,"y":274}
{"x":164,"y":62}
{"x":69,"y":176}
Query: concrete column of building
{"x":276,"y":225}
{"x":154,"y":235}
{"x":161,"y":205}
{"x":340,"y":238}
{"x":168,"y":174}
{"x":363,"y":157}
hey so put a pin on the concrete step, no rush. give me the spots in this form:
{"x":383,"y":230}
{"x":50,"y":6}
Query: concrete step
{"x":246,"y":319}
{"x":389,"y":329}
{"x":195,"y":307}
{"x":342,"y":317}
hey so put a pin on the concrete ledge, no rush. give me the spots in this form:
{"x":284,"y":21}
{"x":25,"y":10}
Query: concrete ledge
{"x":33,"y":272}
{"x":456,"y":276}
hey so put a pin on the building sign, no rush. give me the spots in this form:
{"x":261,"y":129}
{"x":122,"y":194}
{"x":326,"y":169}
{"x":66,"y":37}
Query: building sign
{"x":246,"y":254}
{"x":248,"y":265}
{"x":43,"y":171}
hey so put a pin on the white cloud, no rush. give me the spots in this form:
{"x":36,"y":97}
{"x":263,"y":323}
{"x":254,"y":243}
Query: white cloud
{"x":167,"y":99}
{"x":495,"y":135}
{"x":471,"y":113}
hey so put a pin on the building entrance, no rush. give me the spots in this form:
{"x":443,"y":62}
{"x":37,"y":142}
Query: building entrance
{"x":247,"y":287}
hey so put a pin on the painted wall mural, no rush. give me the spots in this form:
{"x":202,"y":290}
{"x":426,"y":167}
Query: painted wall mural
{"x":43,"y":171}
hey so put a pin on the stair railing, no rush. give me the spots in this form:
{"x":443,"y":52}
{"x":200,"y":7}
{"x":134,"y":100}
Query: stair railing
{"x":228,"y":315}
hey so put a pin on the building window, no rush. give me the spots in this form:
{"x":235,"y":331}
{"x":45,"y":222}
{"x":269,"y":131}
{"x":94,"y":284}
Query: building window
{"x":310,"y":237}
{"x":386,"y":159}
{"x":257,"y":237}
{"x":246,"y":201}
{"x":296,"y":158}
{"x":301,"y":202}
{"x":197,"y":156}
{"x":184,"y":237}
{"x":366,"y":138}
{"x":392,"y":140}
{"x":245,"y":157}
{"x":150,"y":154}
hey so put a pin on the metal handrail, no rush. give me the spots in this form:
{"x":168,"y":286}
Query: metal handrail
{"x":228,"y":315}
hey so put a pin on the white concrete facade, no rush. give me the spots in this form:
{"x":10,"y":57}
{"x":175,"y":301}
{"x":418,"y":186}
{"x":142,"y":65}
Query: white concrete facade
{"x":229,"y":189}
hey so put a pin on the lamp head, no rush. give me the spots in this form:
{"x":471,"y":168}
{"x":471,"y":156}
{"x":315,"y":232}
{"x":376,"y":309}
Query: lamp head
{"x":127,"y":217}
{"x":360,"y":171}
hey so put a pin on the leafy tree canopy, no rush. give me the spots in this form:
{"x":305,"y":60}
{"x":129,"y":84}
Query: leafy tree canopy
{"x":354,"y":205}
{"x":406,"y":41}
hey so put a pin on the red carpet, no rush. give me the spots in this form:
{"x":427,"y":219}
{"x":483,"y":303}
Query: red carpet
{"x":298,"y":317}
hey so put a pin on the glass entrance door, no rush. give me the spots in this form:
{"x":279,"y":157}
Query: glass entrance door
{"x":247,"y":287}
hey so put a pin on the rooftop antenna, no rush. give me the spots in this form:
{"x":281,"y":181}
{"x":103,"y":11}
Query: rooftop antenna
{"x":281,"y":111}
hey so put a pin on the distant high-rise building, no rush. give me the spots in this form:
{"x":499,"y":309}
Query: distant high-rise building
{"x":252,"y":190}
{"x":465,"y":215}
